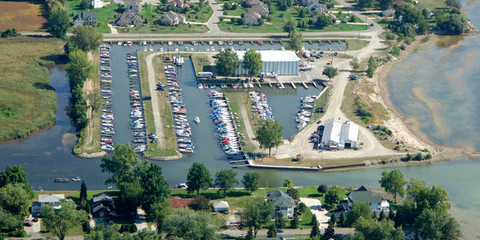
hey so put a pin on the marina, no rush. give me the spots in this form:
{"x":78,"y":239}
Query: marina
{"x":107,"y":127}
{"x":137,"y":114}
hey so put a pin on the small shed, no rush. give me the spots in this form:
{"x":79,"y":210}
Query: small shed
{"x":220,"y":206}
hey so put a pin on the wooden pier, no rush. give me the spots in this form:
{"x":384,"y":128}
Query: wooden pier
{"x":305,"y":85}
{"x":293,"y":85}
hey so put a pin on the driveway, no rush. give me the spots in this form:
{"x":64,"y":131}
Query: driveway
{"x":314,"y":205}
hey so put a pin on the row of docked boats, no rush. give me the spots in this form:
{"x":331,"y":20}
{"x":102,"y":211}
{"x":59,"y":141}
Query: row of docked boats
{"x":137,"y":119}
{"x":183,"y":131}
{"x":211,"y":86}
{"x":227,"y":131}
{"x":304,"y":115}
{"x":106,"y":122}
{"x":260,"y":105}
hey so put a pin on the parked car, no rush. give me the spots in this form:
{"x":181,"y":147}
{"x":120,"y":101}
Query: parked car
{"x":27,"y":223}
{"x":280,"y":230}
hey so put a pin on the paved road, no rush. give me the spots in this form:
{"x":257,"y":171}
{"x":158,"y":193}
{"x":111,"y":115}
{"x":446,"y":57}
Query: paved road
{"x":157,"y":118}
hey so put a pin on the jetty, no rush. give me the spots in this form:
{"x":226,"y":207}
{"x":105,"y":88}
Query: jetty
{"x":251,"y":164}
{"x":305,"y":85}
{"x":293,"y":85}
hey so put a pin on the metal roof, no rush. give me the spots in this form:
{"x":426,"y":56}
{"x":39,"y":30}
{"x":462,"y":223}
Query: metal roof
{"x":274,"y":56}
{"x":51,"y":197}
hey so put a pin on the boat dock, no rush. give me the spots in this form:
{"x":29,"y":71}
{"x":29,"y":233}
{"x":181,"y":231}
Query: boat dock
{"x":293,"y":85}
{"x":251,"y":164}
{"x":322,"y":92}
{"x":305,"y":85}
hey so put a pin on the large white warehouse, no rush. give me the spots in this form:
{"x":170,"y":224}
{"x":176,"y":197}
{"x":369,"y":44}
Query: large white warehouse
{"x":339,"y":135}
{"x":276,"y":61}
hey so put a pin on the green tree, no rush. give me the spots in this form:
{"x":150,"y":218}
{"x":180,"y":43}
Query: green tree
{"x":159,"y":212}
{"x":251,"y":181}
{"x":293,"y":193}
{"x":84,"y":4}
{"x":188,"y":224}
{"x":15,"y":174}
{"x":199,"y":203}
{"x":252,"y":62}
{"x":198,"y":177}
{"x":15,"y":199}
{"x":58,"y":23}
{"x":455,"y":5}
{"x":131,"y":195}
{"x":225,"y":180}
{"x":257,"y":214}
{"x":452,"y":24}
{"x":393,"y":183}
{"x":155,"y":187}
{"x":359,"y":209}
{"x":355,"y":64}
{"x":9,"y":222}
{"x":279,"y":220}
{"x":295,"y":221}
{"x":59,"y":222}
{"x":288,"y":182}
{"x":385,"y":4}
{"x":332,"y":198}
{"x":329,"y":232}
{"x":120,"y":164}
{"x":366,"y":3}
{"x":330,"y":72}
{"x":103,"y":232}
{"x":423,"y":197}
{"x":227,"y":63}
{"x":295,"y":41}
{"x":289,"y":26}
{"x":315,"y":232}
{"x":86,"y":38}
{"x":368,"y":228}
{"x":323,"y":21}
{"x":269,"y":134}
{"x":322,"y":189}
{"x":79,"y":68}
{"x":83,"y":196}
{"x":272,"y":231}
{"x":437,"y":225}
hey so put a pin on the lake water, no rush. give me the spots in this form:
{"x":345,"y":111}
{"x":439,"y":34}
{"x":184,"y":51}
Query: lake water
{"x":47,"y":155}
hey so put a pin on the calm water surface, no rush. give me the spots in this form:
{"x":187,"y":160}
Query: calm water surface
{"x":48,"y":154}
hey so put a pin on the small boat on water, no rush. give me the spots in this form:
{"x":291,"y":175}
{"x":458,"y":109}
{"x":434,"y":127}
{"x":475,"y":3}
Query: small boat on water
{"x":76,"y":179}
{"x":197,"y":120}
{"x":200,"y":86}
{"x":61,"y":180}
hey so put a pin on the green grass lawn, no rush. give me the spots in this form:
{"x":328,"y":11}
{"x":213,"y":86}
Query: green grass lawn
{"x":27,"y":101}
{"x":280,"y":17}
{"x":237,"y":12}
{"x":353,"y":44}
{"x":202,"y":15}
{"x":105,"y":15}
{"x":321,"y":102}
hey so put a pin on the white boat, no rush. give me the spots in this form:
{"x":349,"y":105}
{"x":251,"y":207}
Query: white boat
{"x":197,"y":120}
{"x":200,"y":86}
{"x":76,"y":179}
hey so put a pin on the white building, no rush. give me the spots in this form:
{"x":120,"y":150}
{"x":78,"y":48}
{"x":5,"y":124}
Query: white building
{"x":96,"y":3}
{"x":274,"y":61}
{"x":220,"y":206}
{"x":339,"y":135}
{"x":47,"y":199}
{"x":375,"y":200}
{"x":282,"y":203}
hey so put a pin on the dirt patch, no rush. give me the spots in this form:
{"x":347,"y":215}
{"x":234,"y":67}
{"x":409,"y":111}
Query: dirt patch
{"x":23,"y":16}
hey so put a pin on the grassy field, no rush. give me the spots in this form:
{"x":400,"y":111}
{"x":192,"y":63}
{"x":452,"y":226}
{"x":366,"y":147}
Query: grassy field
{"x":321,"y":102}
{"x":154,"y":149}
{"x":354,"y":44}
{"x":201,"y":63}
{"x":278,"y":20}
{"x":23,"y":16}
{"x":27,"y":101}
{"x":105,"y":15}
{"x":237,"y":12}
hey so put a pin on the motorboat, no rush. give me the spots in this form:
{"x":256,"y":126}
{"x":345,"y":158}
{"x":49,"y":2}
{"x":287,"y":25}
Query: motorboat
{"x":76,"y":179}
{"x":197,"y":120}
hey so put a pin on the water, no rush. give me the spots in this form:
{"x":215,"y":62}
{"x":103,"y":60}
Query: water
{"x":47,"y":155}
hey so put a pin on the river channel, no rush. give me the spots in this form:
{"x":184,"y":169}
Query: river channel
{"x":47,"y":155}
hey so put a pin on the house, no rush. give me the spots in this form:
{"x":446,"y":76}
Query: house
{"x":127,"y":19}
{"x":314,"y":6}
{"x":256,"y":9}
{"x":178,"y":202}
{"x":133,"y":6}
{"x":282,"y":202}
{"x":85,"y":18}
{"x":96,"y":3}
{"x":47,"y":199}
{"x":102,"y":205}
{"x":338,"y":135}
{"x":274,"y":61}
{"x":376,"y":201}
{"x":251,"y":17}
{"x":172,"y":18}
{"x":389,"y":13}
{"x":220,"y":206}
{"x":176,"y":4}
